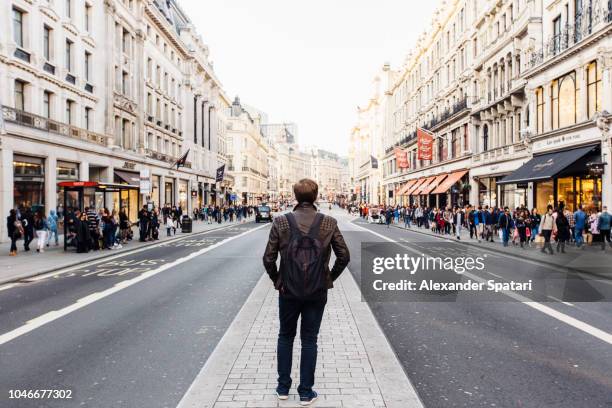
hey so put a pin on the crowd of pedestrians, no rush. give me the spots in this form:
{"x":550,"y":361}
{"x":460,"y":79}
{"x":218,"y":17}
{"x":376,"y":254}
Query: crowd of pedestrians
{"x":520,"y":226}
{"x":104,"y":229}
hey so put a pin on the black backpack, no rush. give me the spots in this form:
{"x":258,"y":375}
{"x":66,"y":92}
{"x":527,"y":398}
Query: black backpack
{"x":302,"y":266}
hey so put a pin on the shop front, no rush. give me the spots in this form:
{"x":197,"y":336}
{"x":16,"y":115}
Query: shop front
{"x":183,"y":194}
{"x":128,"y":198}
{"x":28,"y":183}
{"x":453,"y":191}
{"x":169,"y":192}
{"x":560,"y":178}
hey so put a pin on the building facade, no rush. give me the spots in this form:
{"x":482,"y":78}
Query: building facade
{"x":109,"y":93}
{"x":247,"y":155}
{"x":503,"y":86}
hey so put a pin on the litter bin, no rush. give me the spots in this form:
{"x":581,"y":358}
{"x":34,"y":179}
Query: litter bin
{"x":186,"y":224}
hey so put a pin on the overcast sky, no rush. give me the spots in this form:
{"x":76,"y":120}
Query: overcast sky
{"x":307,"y":61}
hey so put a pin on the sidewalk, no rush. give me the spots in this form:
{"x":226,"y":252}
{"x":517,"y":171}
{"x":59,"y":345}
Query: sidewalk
{"x":27,"y":264}
{"x":591,"y":260}
{"x":356,"y":367}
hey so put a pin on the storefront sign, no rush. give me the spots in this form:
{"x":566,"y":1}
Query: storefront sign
{"x":129,"y":165}
{"x":402,"y":158}
{"x":566,"y":140}
{"x":145,"y":181}
{"x":424,"y":144}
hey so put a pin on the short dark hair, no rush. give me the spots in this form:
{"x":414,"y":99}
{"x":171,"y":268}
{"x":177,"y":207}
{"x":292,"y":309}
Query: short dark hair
{"x":306,"y":191}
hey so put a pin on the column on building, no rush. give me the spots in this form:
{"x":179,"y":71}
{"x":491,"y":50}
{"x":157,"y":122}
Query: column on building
{"x":6,"y":185}
{"x":50,"y":183}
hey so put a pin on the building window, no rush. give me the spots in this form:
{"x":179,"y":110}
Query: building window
{"x":556,"y":35}
{"x":124,"y":83}
{"x":68,"y":55}
{"x":87,"y":65}
{"x":485,"y":138}
{"x":87,"y":118}
{"x":87,"y":17}
{"x":47,"y":104}
{"x":593,"y":89}
{"x":540,"y":110}
{"x":69,"y":8}
{"x":563,"y":101}
{"x":125,"y":41}
{"x":20,"y":95}
{"x":18,"y":27}
{"x":69,"y":107}
{"x":47,"y":42}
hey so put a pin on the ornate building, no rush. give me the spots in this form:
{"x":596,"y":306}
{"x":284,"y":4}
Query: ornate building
{"x":111,"y":93}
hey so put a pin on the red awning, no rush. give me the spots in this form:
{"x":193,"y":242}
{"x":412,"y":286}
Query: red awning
{"x":405,"y":187}
{"x":423,"y":186}
{"x":414,"y":186}
{"x":77,"y":184}
{"x":450,"y":180}
{"x":434,"y":184}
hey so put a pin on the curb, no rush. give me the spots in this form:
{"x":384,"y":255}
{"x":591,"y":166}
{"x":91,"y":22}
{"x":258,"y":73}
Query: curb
{"x":498,"y":250}
{"x":102,"y":255}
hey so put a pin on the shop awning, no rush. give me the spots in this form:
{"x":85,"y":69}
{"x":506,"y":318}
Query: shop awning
{"x":405,"y":187}
{"x":414,"y":186}
{"x":450,"y":180}
{"x":127,"y":177}
{"x":424,"y":185}
{"x":546,"y":166}
{"x":434,"y":184}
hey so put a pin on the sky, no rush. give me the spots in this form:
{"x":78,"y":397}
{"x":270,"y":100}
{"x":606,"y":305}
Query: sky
{"x":311,"y":62}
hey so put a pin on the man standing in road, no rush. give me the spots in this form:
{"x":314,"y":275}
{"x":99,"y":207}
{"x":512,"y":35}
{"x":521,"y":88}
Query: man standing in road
{"x":304,"y":239}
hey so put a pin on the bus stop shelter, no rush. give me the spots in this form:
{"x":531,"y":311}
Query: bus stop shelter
{"x":97,"y":195}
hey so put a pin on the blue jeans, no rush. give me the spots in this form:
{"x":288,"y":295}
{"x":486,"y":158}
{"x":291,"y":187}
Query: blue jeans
{"x":312,"y":314}
{"x":578,"y":236}
{"x":506,"y":235}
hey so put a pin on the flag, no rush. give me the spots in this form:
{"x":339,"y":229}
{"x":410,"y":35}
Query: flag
{"x":181,"y":161}
{"x":220,"y":174}
{"x":401,"y":156}
{"x":374,"y":162}
{"x":424,"y":144}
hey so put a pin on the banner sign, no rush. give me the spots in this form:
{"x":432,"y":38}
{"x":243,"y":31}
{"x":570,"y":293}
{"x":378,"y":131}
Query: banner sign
{"x":145,"y":181}
{"x":424,"y":144}
{"x":401,"y":156}
{"x":220,"y":173}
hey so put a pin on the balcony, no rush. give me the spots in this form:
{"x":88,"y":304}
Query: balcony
{"x":502,"y":153}
{"x":12,"y":115}
{"x":586,"y":22}
{"x":456,"y":108}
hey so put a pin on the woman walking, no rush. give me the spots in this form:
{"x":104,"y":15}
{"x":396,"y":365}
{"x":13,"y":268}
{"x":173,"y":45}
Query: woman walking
{"x":563,"y":229}
{"x":15,"y":231}
{"x":41,"y":228}
{"x":52,"y":224}
{"x":546,"y":228}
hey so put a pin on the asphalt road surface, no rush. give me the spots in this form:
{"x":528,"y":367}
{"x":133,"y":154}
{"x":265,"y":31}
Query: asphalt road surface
{"x":134,"y":330}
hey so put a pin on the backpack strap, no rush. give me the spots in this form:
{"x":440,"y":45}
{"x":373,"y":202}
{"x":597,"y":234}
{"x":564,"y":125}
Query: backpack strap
{"x":313,"y":233}
{"x":293,"y":224}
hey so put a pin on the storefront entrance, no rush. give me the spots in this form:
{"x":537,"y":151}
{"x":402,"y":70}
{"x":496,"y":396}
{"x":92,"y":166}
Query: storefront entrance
{"x":29,"y":183}
{"x":571,"y":191}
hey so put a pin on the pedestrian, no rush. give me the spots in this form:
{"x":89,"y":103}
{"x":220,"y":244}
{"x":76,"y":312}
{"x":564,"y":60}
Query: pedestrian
{"x":27,"y":220}
{"x":15,"y":230}
{"x":41,"y":229}
{"x":52,"y":224}
{"x":124,"y":226}
{"x":547,"y":225}
{"x":521,"y":227}
{"x":83,"y":239}
{"x":605,"y":221}
{"x":563,"y":229}
{"x":303,"y":234}
{"x":143,"y":223}
{"x":504,"y":225}
{"x":535,"y":220}
{"x":459,"y":220}
{"x":580,"y":219}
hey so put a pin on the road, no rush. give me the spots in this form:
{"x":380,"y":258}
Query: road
{"x":135,"y":330}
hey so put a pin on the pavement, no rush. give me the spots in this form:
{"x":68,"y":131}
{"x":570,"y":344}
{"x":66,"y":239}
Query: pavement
{"x":589,"y":259}
{"x":191,"y":322}
{"x":27,"y":264}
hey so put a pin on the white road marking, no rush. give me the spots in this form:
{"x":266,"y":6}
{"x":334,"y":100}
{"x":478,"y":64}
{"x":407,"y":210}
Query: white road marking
{"x":119,"y":255}
{"x":5,"y":287}
{"x":496,"y":275}
{"x":89,"y":299}
{"x":559,"y":300}
{"x":578,"y":324}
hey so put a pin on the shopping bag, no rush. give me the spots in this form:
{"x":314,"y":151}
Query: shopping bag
{"x":539,"y":240}
{"x":528,"y":232}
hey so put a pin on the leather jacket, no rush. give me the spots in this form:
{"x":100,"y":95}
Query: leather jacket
{"x":329,"y":234}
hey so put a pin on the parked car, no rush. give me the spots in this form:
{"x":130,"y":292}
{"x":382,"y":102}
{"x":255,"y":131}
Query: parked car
{"x":264,"y":213}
